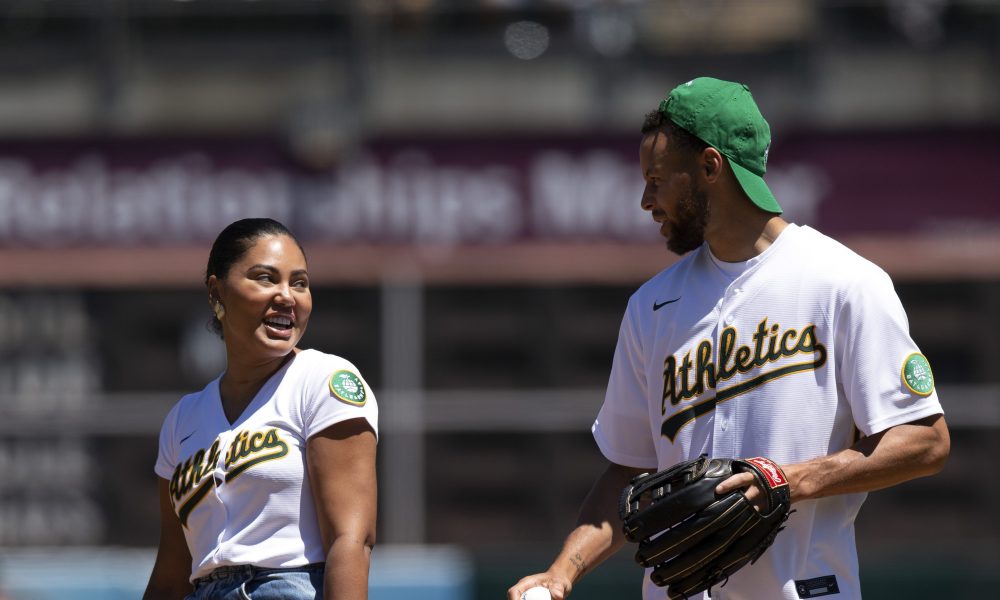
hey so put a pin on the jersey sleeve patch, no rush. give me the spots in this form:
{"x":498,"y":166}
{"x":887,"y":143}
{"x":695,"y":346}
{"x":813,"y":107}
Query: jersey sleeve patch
{"x":347,"y":387}
{"x":917,"y":375}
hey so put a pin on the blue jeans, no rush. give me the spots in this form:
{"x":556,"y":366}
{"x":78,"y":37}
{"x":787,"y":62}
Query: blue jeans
{"x":246,"y":582}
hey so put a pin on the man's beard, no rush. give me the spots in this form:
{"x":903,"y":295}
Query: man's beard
{"x":688,"y":230}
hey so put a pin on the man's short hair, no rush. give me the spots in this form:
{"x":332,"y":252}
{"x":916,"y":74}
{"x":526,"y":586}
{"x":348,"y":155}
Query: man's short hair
{"x":679,"y":137}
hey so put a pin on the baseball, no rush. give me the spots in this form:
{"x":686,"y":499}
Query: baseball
{"x":537,"y":593}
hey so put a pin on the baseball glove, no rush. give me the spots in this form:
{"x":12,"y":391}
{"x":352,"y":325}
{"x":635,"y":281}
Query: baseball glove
{"x":693,"y":539}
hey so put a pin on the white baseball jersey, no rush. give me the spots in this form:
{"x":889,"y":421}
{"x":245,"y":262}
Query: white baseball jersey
{"x":783,"y":356}
{"x":241,"y":489}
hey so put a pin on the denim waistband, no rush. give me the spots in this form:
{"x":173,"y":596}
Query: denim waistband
{"x":250,"y":571}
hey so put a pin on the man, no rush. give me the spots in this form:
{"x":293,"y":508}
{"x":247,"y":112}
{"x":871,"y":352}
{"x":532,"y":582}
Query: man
{"x":765,"y":339}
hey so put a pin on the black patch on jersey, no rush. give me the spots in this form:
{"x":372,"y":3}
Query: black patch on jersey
{"x":816,"y":587}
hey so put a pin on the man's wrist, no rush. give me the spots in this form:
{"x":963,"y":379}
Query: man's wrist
{"x":570,"y":567}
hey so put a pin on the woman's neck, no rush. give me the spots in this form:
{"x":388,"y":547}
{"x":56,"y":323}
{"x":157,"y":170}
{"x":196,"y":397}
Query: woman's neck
{"x":243,"y":379}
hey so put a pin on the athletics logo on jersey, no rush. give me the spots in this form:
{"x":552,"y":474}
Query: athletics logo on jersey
{"x":193,"y":474}
{"x":262,"y":446}
{"x":247,"y":450}
{"x":347,"y":387}
{"x":917,"y":374}
{"x":774,"y":351}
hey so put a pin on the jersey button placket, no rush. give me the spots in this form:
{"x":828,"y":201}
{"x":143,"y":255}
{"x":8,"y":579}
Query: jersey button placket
{"x":723,"y":438}
{"x":225,"y":439}
{"x":222,"y":490}
{"x":728,"y":305}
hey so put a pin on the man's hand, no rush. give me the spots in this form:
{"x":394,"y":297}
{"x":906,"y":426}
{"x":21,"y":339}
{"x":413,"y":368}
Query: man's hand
{"x":751,"y":489}
{"x":597,"y":536}
{"x":559,"y":587}
{"x":692,"y":536}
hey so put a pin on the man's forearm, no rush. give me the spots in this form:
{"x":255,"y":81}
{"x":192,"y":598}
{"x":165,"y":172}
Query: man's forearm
{"x":896,"y":455}
{"x":597,"y":534}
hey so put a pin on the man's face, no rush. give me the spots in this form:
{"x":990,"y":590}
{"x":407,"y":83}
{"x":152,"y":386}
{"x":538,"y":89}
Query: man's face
{"x":672,"y":193}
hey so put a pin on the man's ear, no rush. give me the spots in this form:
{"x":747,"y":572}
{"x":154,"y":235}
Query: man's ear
{"x":711,"y":164}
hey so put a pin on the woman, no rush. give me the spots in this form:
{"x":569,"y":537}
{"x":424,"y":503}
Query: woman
{"x":267,"y":485}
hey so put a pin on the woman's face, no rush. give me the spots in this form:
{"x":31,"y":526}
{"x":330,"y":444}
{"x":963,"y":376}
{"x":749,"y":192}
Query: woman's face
{"x":266,"y":299}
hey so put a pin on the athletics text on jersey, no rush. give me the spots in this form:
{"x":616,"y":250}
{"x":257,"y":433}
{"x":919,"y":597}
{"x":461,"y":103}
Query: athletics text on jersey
{"x":772,"y":347}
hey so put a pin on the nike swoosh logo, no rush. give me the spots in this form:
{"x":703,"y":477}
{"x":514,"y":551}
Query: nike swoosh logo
{"x":183,"y":439}
{"x":662,"y":304}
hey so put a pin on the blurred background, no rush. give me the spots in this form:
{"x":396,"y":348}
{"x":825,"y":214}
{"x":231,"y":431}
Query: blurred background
{"x":464,"y":177}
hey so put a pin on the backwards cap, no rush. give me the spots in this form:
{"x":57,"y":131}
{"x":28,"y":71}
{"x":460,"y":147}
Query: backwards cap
{"x":724,"y":115}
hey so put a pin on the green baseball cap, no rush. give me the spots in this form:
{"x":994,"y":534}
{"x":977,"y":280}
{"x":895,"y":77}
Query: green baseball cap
{"x":723,"y":115}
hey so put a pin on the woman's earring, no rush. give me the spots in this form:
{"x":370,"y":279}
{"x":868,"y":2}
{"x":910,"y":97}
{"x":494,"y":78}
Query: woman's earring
{"x":220,"y":310}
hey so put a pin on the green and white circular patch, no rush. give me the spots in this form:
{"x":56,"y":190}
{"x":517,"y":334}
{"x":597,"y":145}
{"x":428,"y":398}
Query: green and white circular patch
{"x":917,"y":374}
{"x":347,"y":387}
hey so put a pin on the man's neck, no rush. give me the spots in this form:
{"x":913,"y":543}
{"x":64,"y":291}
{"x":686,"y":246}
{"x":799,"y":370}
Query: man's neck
{"x":740,"y":239}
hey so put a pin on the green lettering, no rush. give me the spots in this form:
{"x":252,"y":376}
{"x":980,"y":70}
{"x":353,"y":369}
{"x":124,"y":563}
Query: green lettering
{"x":786,"y":348}
{"x":744,"y":359}
{"x":669,"y":383}
{"x":175,"y":484}
{"x":213,"y":458}
{"x":704,"y":369}
{"x":773,"y":353}
{"x":196,"y":466}
{"x":186,"y":481}
{"x":807,"y":343}
{"x":234,"y":450}
{"x":727,"y":345}
{"x":271,"y":440}
{"x":758,"y":343}
{"x":684,"y":374}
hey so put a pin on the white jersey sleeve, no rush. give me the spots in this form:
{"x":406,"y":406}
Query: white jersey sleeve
{"x":885,"y":378}
{"x":336,"y":392}
{"x":622,"y":429}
